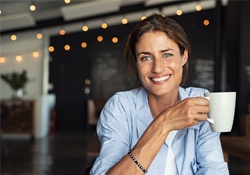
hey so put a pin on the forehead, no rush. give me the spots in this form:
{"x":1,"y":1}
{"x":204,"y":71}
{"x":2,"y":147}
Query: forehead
{"x":155,"y":39}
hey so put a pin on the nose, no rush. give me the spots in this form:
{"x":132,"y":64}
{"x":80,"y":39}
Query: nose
{"x":158,"y":65}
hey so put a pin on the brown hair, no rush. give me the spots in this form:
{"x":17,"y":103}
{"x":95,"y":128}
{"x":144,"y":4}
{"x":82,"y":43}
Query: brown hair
{"x":155,"y":22}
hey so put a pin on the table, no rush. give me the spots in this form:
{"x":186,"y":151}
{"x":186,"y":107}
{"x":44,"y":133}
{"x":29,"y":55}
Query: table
{"x":17,"y":116}
{"x":237,"y":146}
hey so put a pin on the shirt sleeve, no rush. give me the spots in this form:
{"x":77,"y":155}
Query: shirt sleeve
{"x":210,"y":159}
{"x":113,"y":133}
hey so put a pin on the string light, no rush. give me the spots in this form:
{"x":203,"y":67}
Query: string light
{"x":206,"y":22}
{"x":51,"y":49}
{"x":114,"y":39}
{"x":198,"y":7}
{"x":104,"y":25}
{"x":67,"y":47}
{"x":35,"y":54}
{"x":84,"y":44}
{"x":124,"y":21}
{"x":2,"y":59}
{"x":32,"y":7}
{"x":100,"y":38}
{"x":39,"y":36}
{"x":67,"y":1}
{"x":85,"y":28}
{"x":13,"y":37}
{"x":19,"y":58}
{"x":143,"y":17}
{"x":62,"y":32}
{"x":179,"y":12}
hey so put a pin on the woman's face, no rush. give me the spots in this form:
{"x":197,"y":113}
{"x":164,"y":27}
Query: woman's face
{"x":159,"y":63}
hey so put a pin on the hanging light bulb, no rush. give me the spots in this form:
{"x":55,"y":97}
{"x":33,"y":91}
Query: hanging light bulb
{"x":51,"y":49}
{"x":198,"y":7}
{"x":143,"y":17}
{"x":104,"y":25}
{"x":67,"y":1}
{"x":2,"y":59}
{"x":85,"y":28}
{"x":206,"y":22}
{"x":62,"y":32}
{"x":67,"y":47}
{"x":124,"y":21}
{"x":35,"y":54}
{"x":114,"y":39}
{"x":19,"y":58}
{"x":13,"y":37}
{"x":32,"y":6}
{"x":39,"y":35}
{"x":100,"y":38}
{"x":84,"y":44}
{"x":179,"y":12}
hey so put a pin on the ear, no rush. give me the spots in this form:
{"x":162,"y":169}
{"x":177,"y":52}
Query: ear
{"x":184,"y":57}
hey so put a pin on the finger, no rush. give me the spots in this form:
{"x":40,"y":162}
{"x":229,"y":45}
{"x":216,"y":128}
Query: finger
{"x":200,"y":117}
{"x":201,"y":101}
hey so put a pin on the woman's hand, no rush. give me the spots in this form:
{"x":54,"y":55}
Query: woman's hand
{"x":185,"y":114}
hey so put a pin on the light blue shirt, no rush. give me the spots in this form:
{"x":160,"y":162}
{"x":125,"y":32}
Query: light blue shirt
{"x":126,"y":116}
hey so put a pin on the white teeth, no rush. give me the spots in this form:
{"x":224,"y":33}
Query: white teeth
{"x":161,"y":78}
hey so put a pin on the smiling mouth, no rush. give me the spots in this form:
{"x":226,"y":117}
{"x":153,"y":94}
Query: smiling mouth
{"x":159,"y":79}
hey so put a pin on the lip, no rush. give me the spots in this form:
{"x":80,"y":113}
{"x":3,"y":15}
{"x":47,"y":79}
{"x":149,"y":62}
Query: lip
{"x":160,"y":79}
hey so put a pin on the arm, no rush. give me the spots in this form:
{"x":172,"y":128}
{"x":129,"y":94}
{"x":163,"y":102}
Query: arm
{"x":210,"y":158}
{"x":114,"y":132}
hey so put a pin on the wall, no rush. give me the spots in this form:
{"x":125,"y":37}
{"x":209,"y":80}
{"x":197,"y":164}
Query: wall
{"x":25,"y":45}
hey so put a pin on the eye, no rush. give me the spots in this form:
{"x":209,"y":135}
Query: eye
{"x":146,"y":58}
{"x":166,"y":55}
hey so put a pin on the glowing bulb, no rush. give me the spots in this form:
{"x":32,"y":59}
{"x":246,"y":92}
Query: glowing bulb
{"x":35,"y":54}
{"x":143,"y":17}
{"x":13,"y":37}
{"x":2,"y":59}
{"x":100,"y":38}
{"x":206,"y":22}
{"x":198,"y":8}
{"x":19,"y":58}
{"x":67,"y":1}
{"x":179,"y":12}
{"x":32,"y":7}
{"x":39,"y":36}
{"x":114,"y":39}
{"x":124,"y":21}
{"x":62,"y":32}
{"x":85,"y":28}
{"x":51,"y":49}
{"x":104,"y":25}
{"x":84,"y":44}
{"x":67,"y":47}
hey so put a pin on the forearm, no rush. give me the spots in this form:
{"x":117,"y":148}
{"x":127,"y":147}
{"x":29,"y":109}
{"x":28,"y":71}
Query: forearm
{"x":144,"y":151}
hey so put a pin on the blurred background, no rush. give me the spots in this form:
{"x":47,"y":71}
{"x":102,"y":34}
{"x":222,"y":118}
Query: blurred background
{"x":61,"y":60}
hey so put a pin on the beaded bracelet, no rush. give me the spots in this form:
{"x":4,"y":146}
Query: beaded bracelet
{"x":136,"y":162}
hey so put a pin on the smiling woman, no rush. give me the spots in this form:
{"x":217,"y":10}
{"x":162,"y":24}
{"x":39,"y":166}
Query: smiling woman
{"x":159,"y":127}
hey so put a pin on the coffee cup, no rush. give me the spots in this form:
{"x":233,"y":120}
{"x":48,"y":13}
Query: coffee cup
{"x":222,"y":109}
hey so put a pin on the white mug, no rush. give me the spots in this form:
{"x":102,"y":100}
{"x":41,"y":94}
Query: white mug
{"x":222,"y":109}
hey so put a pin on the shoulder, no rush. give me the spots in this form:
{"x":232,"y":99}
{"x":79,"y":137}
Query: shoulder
{"x":192,"y":91}
{"x":126,"y":97}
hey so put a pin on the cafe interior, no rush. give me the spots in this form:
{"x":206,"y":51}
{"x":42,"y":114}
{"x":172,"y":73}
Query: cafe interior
{"x":67,"y":56}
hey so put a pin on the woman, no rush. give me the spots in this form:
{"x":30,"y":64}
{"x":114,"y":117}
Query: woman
{"x":159,"y":128}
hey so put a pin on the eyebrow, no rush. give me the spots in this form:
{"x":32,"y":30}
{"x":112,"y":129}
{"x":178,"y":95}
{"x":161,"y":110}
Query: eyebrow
{"x":149,"y":53}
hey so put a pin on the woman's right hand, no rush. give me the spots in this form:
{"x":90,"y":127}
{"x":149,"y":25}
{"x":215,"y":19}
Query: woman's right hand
{"x":185,"y":114}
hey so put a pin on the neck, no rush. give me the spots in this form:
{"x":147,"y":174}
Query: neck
{"x":158,"y":104}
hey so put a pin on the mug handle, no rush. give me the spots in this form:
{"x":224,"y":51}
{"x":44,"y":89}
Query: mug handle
{"x":209,"y":119}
